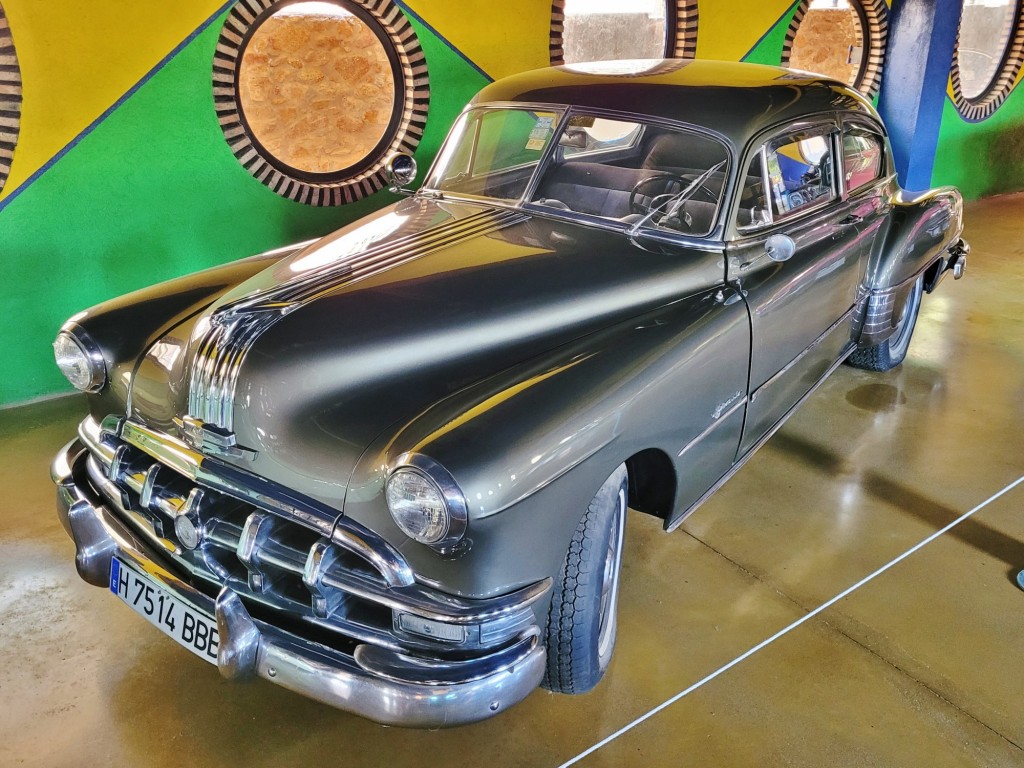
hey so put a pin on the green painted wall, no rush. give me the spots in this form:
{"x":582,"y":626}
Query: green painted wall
{"x":985,"y":158}
{"x":769,"y":48}
{"x":152,"y":193}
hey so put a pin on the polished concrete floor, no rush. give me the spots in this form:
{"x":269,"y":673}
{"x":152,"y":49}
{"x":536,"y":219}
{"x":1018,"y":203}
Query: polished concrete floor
{"x":921,"y":666}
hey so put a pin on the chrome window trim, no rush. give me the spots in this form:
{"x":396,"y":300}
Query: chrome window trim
{"x":829,"y":120}
{"x":884,"y":173}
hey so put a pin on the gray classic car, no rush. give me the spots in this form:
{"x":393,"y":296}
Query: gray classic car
{"x":389,"y":469}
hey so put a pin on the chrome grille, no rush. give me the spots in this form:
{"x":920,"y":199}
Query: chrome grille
{"x":234,"y":328}
{"x":272,"y":560}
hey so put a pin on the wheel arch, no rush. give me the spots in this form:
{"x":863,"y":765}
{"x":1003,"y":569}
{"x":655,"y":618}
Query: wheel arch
{"x":652,"y":482}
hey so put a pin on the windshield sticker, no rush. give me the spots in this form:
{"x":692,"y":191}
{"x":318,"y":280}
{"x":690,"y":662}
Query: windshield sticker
{"x":541,"y":133}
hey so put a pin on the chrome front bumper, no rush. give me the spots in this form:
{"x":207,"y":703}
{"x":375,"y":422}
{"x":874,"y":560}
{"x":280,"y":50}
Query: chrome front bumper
{"x":373,"y":682}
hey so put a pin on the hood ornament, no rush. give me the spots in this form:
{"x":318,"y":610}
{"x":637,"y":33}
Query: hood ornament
{"x":209,"y":438}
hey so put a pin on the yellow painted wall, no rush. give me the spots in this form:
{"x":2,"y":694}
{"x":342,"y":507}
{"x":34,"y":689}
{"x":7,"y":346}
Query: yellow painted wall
{"x":78,"y":57}
{"x":500,"y":39}
{"x":728,"y":29}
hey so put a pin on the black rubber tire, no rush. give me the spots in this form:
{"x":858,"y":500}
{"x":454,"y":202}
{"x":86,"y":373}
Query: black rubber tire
{"x":576,"y":659}
{"x":892,"y":351}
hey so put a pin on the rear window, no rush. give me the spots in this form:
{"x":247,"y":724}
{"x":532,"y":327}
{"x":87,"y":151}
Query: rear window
{"x":862,"y":157}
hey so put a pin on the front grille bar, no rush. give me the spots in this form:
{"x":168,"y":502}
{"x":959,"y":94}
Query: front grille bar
{"x":249,"y":549}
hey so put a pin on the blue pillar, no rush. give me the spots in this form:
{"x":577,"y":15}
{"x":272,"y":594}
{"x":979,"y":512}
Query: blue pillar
{"x":922,"y":36}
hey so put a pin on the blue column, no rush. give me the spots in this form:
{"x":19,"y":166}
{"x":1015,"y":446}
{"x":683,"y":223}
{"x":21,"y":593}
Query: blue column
{"x":922,"y":36}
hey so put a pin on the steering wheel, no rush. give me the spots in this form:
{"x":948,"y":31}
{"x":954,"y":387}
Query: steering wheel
{"x":671,"y":185}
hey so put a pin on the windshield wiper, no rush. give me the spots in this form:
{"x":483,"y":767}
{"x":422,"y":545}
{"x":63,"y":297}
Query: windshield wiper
{"x":676,"y":201}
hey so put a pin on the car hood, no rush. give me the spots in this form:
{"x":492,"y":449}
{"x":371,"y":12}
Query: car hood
{"x":308,"y":361}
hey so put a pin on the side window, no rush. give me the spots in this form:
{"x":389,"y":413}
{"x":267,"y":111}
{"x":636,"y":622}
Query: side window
{"x":862,"y":157}
{"x":800,"y":171}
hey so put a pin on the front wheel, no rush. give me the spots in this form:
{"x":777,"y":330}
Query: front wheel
{"x":582,"y":619}
{"x":888,"y":354}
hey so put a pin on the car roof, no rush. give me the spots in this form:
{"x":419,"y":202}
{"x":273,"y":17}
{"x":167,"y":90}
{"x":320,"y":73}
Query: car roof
{"x":734,"y":99}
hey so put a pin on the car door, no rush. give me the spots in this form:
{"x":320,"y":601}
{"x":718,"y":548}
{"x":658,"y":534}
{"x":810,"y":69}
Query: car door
{"x":798,"y":260}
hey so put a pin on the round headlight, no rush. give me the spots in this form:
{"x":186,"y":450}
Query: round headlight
{"x":84,"y":369}
{"x":425,"y":502}
{"x":417,"y":506}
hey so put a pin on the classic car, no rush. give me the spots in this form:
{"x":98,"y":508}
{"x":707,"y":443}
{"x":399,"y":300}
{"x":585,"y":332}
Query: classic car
{"x":390,"y":468}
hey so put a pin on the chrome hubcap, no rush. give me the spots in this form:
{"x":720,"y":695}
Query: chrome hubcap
{"x":904,"y":327}
{"x":610,"y":581}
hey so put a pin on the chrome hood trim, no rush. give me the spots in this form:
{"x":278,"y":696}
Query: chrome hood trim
{"x":223,"y":338}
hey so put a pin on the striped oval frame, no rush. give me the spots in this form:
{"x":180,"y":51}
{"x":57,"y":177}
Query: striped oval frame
{"x":680,"y":15}
{"x":335,"y":189}
{"x":10,"y":98}
{"x":874,"y":19}
{"x":980,"y":107}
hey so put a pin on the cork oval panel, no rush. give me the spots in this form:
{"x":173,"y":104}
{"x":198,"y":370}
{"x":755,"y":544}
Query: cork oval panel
{"x":313,"y":96}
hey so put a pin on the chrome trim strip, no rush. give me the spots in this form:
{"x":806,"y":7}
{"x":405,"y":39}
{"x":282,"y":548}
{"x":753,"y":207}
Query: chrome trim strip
{"x":807,"y":350}
{"x":235,"y":327}
{"x":753,"y":449}
{"x":256,"y":490}
{"x":719,"y":420}
{"x":476,"y":688}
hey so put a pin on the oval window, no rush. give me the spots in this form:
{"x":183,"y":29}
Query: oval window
{"x":313,"y":96}
{"x":841,"y":39}
{"x":601,"y":30}
{"x":10,"y":99}
{"x":988,"y":56}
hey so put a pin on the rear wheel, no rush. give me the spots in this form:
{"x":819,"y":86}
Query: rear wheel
{"x":582,"y":619}
{"x":891,"y":352}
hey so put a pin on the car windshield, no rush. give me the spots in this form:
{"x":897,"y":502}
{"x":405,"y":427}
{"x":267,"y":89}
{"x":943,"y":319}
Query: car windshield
{"x":638,"y":174}
{"x":493,"y":153}
{"x":624,"y":171}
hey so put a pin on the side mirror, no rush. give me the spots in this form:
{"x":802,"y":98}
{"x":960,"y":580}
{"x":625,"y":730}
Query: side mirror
{"x":400,"y":170}
{"x":780,"y":247}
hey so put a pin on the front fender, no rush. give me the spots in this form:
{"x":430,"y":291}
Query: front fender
{"x":564,"y":421}
{"x":126,"y":326}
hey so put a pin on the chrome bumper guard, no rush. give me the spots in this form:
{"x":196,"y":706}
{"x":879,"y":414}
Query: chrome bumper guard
{"x":377,"y":681}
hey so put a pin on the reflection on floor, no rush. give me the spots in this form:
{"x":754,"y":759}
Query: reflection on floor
{"x":923,"y":666}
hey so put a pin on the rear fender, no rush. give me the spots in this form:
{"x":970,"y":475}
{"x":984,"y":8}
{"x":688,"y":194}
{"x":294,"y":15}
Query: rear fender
{"x":922,"y":230}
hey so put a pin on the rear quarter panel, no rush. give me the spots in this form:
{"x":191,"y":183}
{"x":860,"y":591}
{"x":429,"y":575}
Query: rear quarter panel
{"x":920,"y":230}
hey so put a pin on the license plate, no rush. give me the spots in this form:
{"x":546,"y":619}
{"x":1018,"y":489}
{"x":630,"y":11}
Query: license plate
{"x":190,"y":627}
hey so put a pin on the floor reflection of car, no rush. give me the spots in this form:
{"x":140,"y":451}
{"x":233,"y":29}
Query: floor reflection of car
{"x":390,"y":469}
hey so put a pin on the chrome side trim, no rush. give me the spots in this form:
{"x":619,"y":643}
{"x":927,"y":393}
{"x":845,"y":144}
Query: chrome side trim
{"x":719,"y":420}
{"x":753,"y":449}
{"x":806,"y":351}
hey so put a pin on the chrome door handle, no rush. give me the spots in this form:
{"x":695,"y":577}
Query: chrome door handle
{"x":853,"y":218}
